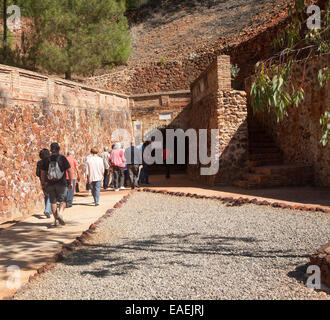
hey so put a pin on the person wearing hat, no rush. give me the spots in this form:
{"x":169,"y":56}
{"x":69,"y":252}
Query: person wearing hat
{"x":54,"y":182}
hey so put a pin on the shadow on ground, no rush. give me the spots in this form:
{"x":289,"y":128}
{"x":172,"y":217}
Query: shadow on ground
{"x":130,"y":255}
{"x":300,"y":274}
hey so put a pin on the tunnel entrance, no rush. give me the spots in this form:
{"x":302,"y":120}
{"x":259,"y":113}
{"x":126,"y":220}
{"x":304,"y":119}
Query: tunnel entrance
{"x":160,"y":143}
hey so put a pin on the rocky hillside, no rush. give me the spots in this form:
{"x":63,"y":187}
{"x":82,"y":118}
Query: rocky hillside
{"x":174,"y":29}
{"x":174,"y":41}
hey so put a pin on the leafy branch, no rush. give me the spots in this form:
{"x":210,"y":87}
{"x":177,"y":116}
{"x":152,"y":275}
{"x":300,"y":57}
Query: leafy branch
{"x":273,"y":87}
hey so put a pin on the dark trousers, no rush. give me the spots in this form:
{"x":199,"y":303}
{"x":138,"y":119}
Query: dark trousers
{"x":125,"y":177}
{"x":168,"y":171}
{"x":144,"y":176}
{"x":106,"y":179}
{"x":118,"y":177}
{"x":133,"y":172}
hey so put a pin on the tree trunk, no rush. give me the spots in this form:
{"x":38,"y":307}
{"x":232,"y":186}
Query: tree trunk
{"x":4,"y":31}
{"x":68,"y":75}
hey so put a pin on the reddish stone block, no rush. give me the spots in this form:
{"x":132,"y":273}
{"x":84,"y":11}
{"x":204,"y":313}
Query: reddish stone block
{"x":41,"y":270}
{"x":117,"y":205}
{"x":92,"y":226}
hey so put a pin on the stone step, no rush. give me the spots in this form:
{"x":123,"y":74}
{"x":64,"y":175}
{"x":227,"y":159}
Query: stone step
{"x":253,"y":177}
{"x":264,"y":179}
{"x":245,"y":184}
{"x":260,"y":139}
{"x":262,"y":144}
{"x":281,"y":169}
{"x":266,"y":162}
{"x":265,"y":156}
{"x":259,"y":136}
{"x":258,"y":130}
{"x":260,"y":150}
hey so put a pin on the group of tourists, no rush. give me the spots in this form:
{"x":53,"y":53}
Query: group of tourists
{"x":59,"y":175}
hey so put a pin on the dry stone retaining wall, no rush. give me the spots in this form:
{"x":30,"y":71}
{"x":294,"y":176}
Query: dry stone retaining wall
{"x":36,"y":110}
{"x":299,"y":134}
{"x":322,"y":259}
{"x":216,"y":106}
{"x":245,"y":50}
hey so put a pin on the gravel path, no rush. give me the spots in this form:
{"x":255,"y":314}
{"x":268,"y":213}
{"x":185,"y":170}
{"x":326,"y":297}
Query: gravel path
{"x":161,"y":247}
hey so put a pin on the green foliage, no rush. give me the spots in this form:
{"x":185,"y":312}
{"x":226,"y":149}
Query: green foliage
{"x":162,"y":60}
{"x":323,"y":77}
{"x":234,"y":70}
{"x":271,"y":92}
{"x":291,"y":34}
{"x":325,"y":124}
{"x":75,"y":36}
{"x":273,"y":88}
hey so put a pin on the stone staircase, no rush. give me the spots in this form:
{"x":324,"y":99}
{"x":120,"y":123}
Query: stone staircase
{"x":267,"y":168}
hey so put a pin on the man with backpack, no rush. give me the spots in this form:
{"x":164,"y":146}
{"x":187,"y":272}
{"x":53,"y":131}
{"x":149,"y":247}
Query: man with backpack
{"x":54,"y":182}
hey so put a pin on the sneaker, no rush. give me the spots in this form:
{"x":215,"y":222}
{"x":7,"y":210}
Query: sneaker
{"x":55,"y":223}
{"x":60,"y":220}
{"x":122,"y":188}
{"x":116,"y":190}
{"x":108,"y":189}
{"x":47,"y":214}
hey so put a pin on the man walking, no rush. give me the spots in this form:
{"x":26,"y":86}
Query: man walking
{"x":95,"y":172}
{"x":53,"y":180}
{"x":75,"y":176}
{"x":106,"y":162}
{"x":133,"y":156}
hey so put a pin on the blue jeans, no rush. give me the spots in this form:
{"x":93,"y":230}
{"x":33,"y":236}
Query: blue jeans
{"x":96,"y":185}
{"x":48,"y":208}
{"x":69,"y":199}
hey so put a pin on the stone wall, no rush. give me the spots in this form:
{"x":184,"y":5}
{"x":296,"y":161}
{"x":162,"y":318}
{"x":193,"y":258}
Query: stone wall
{"x":298,"y":135}
{"x":150,"y":78}
{"x":159,"y":110}
{"x":322,"y":259}
{"x":216,"y":106}
{"x":245,"y":50}
{"x":36,"y":110}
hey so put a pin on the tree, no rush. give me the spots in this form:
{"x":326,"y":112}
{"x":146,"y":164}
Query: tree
{"x":7,"y":39}
{"x":75,"y":36}
{"x":273,"y":88}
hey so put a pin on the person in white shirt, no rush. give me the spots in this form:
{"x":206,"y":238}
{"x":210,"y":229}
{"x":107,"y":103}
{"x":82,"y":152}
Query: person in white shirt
{"x":94,"y":169}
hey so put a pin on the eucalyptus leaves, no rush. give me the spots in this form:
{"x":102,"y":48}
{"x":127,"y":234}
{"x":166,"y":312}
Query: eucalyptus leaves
{"x":273,"y":88}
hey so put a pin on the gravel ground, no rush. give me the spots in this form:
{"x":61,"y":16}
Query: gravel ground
{"x":161,"y":247}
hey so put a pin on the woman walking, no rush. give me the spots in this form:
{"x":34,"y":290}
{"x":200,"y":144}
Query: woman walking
{"x":118,"y":160}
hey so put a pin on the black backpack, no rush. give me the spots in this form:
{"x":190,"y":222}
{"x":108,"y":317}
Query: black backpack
{"x":54,"y":171}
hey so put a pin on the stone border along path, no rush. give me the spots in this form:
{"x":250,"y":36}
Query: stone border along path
{"x":69,"y":248}
{"x":240,"y":201}
{"x":66,"y":250}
